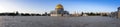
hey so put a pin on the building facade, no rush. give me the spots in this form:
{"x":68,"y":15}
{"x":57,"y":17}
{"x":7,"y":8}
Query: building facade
{"x":118,"y":12}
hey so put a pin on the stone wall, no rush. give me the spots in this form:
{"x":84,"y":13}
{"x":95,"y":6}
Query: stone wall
{"x":55,"y":15}
{"x":118,"y":15}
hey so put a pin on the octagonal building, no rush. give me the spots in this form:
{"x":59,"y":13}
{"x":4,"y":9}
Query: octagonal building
{"x":59,"y":11}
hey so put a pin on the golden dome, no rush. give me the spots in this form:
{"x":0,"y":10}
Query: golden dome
{"x":59,"y":6}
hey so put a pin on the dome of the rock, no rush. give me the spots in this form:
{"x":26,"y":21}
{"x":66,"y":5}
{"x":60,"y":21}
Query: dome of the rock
{"x":59,"y":6}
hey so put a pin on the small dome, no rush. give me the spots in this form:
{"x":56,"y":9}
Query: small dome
{"x":118,"y":7}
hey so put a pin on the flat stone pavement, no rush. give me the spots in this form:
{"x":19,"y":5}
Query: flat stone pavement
{"x":47,"y":21}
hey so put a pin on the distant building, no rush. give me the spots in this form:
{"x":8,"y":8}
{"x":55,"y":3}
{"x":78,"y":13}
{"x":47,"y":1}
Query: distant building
{"x":118,"y":12}
{"x":76,"y":14}
{"x":59,"y":11}
{"x":84,"y":15}
{"x":113,"y":14}
{"x":104,"y":14}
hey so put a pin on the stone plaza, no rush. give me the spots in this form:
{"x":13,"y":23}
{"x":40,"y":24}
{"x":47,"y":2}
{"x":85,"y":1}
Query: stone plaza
{"x":51,"y":21}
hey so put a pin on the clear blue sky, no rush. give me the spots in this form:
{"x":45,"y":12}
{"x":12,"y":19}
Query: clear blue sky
{"x":41,"y":6}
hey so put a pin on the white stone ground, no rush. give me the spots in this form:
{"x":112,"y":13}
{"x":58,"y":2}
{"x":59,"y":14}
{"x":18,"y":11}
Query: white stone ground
{"x":47,"y":21}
